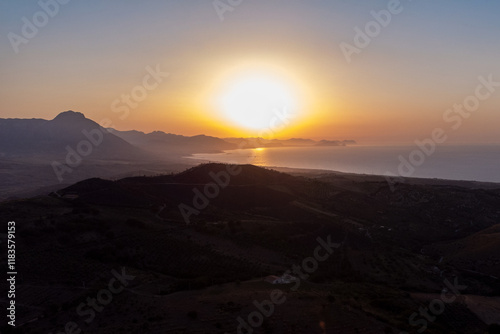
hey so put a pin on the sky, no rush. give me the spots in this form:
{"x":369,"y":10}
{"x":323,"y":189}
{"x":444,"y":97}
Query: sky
{"x":321,"y":69}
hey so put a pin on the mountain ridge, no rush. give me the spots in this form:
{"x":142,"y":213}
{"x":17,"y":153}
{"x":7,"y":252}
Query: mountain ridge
{"x":24,"y":136}
{"x":67,"y":131}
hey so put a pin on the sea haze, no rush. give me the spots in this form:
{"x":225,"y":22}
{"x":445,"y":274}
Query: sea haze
{"x":475,"y":163}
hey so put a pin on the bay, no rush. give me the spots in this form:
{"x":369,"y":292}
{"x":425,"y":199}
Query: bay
{"x":453,"y":162}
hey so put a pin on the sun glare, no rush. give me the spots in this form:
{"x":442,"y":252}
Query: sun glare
{"x":256,"y":101}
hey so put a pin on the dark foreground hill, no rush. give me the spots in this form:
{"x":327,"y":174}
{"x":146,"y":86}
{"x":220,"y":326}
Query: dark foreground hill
{"x":197,"y":245}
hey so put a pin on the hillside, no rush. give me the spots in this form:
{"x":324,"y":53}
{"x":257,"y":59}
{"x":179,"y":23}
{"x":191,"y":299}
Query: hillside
{"x":38,"y":156}
{"x":166,"y":144}
{"x":201,"y":275}
{"x":478,"y":253}
{"x":51,"y":138}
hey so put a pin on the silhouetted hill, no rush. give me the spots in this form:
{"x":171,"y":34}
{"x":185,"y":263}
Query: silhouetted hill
{"x":164,"y":144}
{"x":109,"y":193}
{"x":255,"y":142}
{"x":387,"y":253}
{"x":335,"y":142}
{"x":249,"y":187}
{"x":244,"y":174}
{"x":51,"y":138}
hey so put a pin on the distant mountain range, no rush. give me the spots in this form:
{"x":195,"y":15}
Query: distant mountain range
{"x":72,"y":132}
{"x":38,"y":155}
{"x":167,"y":144}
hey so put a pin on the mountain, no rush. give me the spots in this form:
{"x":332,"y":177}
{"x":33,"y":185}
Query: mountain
{"x":298,"y":142}
{"x":335,"y":142}
{"x":68,"y":132}
{"x":256,"y":142}
{"x":71,"y":131}
{"x":38,"y":156}
{"x":165,"y":144}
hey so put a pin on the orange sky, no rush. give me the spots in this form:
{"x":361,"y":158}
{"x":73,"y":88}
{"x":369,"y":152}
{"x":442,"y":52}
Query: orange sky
{"x":395,"y":90}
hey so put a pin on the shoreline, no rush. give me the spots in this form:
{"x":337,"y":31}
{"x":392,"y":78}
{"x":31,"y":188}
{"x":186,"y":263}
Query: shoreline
{"x":311,"y":172}
{"x":450,"y":163}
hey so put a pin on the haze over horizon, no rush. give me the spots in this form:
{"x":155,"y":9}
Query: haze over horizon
{"x":397,"y":88}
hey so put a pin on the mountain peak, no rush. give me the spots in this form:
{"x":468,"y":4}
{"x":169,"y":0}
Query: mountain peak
{"x":70,"y":114}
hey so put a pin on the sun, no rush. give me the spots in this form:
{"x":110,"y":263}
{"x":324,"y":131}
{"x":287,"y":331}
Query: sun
{"x":256,"y":101}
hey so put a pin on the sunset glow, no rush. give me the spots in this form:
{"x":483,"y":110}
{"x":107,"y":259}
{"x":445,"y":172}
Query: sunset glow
{"x":254,"y":101}
{"x":226,"y":77}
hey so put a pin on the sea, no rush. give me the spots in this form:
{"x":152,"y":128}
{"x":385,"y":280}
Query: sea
{"x":451,"y":162}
